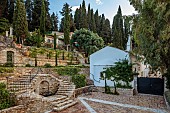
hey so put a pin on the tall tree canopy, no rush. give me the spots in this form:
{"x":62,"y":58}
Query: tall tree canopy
{"x":42,"y":18}
{"x":54,"y":22}
{"x":83,"y":15}
{"x":117,"y":30}
{"x":87,"y":41}
{"x":66,"y":13}
{"x":29,"y":7}
{"x":151,"y":32}
{"x":20,"y":24}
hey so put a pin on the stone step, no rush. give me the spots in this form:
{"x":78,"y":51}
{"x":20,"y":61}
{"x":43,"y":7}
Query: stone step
{"x":63,"y":103}
{"x":55,"y":98}
{"x":19,"y":83}
{"x":61,"y":85}
{"x":64,"y":106}
{"x":60,"y":101}
{"x":16,"y":86}
{"x":65,"y":89}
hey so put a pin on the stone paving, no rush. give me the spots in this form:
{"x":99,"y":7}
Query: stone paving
{"x":141,"y":101}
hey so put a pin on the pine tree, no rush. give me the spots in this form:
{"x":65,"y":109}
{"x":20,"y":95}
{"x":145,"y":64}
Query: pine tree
{"x":42,"y":18}
{"x":54,"y":22}
{"x":29,"y":7}
{"x":117,"y":30}
{"x":20,"y":24}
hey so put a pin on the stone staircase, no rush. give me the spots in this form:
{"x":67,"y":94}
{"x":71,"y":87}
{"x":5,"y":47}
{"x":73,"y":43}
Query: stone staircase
{"x":61,"y":102}
{"x":19,"y":84}
{"x":63,"y":98}
{"x":66,"y":88}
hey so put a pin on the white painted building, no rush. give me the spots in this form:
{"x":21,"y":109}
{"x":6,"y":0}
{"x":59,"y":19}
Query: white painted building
{"x":103,"y":58}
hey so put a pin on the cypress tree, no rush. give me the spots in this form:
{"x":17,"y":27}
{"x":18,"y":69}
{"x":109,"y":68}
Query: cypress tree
{"x":42,"y":18}
{"x":92,"y":22}
{"x":20,"y":24}
{"x":97,"y":22}
{"x":29,"y":7}
{"x":54,"y":22}
{"x":89,"y":17}
{"x":3,"y":8}
{"x":83,"y":16}
{"x":36,"y":14}
{"x":66,"y":13}
{"x":77,"y":19}
{"x":11,"y":10}
{"x":55,"y":41}
{"x":62,"y":25}
{"x":48,"y":25}
{"x":107,"y":37}
{"x":117,"y":30}
{"x":72,"y":25}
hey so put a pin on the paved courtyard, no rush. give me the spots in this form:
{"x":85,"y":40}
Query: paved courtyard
{"x":104,"y":103}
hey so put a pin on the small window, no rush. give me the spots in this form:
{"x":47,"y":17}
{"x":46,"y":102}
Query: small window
{"x":48,"y":40}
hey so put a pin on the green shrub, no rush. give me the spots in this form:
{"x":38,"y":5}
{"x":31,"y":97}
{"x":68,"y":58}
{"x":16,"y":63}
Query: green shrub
{"x":79,"y":80}
{"x":47,"y":65}
{"x":6,"y":70}
{"x":167,"y":96}
{"x":2,"y":86}
{"x":8,"y":64}
{"x":67,"y":71}
{"x":28,"y":65}
{"x":6,"y":100}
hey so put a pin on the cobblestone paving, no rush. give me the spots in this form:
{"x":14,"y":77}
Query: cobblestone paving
{"x":149,"y":101}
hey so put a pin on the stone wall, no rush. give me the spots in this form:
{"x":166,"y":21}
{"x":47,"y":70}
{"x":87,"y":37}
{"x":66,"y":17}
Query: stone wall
{"x":21,"y":59}
{"x":15,"y":109}
{"x":121,"y":91}
{"x":44,"y":83}
{"x":86,"y":89}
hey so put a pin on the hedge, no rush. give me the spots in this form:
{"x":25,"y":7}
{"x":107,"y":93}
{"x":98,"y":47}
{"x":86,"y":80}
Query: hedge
{"x":67,"y":70}
{"x":79,"y":80}
{"x":6,"y":70}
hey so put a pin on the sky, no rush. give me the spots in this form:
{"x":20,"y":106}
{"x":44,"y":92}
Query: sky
{"x":107,"y":7}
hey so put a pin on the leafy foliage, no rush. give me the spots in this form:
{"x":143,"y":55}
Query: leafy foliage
{"x":6,"y":70}
{"x":88,"y":41}
{"x":20,"y":23}
{"x":5,"y":99}
{"x":122,"y":71}
{"x":79,"y":80}
{"x":35,"y":39}
{"x":151,"y":32}
{"x":4,"y":25}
